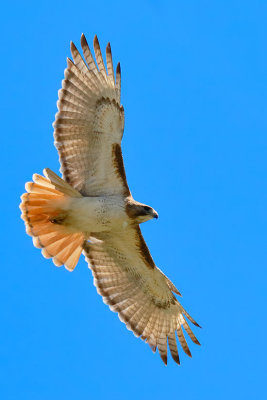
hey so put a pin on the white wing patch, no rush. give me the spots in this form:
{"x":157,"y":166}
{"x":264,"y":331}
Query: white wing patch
{"x":109,"y":120}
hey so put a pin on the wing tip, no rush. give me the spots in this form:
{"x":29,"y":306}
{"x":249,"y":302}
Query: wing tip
{"x":83,"y":40}
{"x":118,"y":68}
{"x":176,"y":359}
{"x":96,"y":41}
{"x":72,"y":47}
{"x":69,"y":61}
{"x":189,"y":353}
{"x":185,"y":313}
{"x":164,"y":359}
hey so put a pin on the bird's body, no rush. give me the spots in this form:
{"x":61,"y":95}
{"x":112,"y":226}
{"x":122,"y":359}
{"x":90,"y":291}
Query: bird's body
{"x":91,"y":210}
{"x":94,"y":214}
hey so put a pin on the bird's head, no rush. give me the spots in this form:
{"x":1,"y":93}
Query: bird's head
{"x":140,"y":212}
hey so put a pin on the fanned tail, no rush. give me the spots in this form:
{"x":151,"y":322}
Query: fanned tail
{"x":43,"y":212}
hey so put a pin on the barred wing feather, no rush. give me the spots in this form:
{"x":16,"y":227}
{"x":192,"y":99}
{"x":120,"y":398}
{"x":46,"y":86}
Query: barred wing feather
{"x":89,"y":124}
{"x":130,"y":283}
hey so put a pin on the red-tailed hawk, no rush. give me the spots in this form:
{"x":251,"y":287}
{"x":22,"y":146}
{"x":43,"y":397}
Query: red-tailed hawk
{"x":91,"y":210}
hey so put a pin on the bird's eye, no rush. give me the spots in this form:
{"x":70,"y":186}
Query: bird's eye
{"x":146,"y":208}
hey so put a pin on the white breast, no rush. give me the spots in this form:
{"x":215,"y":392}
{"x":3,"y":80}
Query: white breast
{"x":96,"y":214}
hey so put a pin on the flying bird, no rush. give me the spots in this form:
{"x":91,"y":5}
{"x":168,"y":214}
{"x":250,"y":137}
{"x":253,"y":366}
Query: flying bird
{"x":90,"y":210}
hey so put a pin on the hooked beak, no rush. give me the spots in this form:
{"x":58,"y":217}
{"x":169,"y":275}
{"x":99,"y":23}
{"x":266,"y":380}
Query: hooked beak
{"x":156,"y":215}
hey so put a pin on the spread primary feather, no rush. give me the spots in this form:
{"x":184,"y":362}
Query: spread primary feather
{"x":91,"y":210}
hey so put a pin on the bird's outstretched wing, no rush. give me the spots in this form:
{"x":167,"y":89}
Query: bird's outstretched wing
{"x":89,"y":124}
{"x":130,"y":283}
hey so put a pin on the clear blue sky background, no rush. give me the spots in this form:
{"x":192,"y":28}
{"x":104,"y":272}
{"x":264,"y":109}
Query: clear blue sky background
{"x":194,"y":86}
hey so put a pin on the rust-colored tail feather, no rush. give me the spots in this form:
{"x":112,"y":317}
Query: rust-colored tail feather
{"x":40,"y":206}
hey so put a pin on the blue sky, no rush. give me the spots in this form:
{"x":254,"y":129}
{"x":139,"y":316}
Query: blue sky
{"x":194,"y":89}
